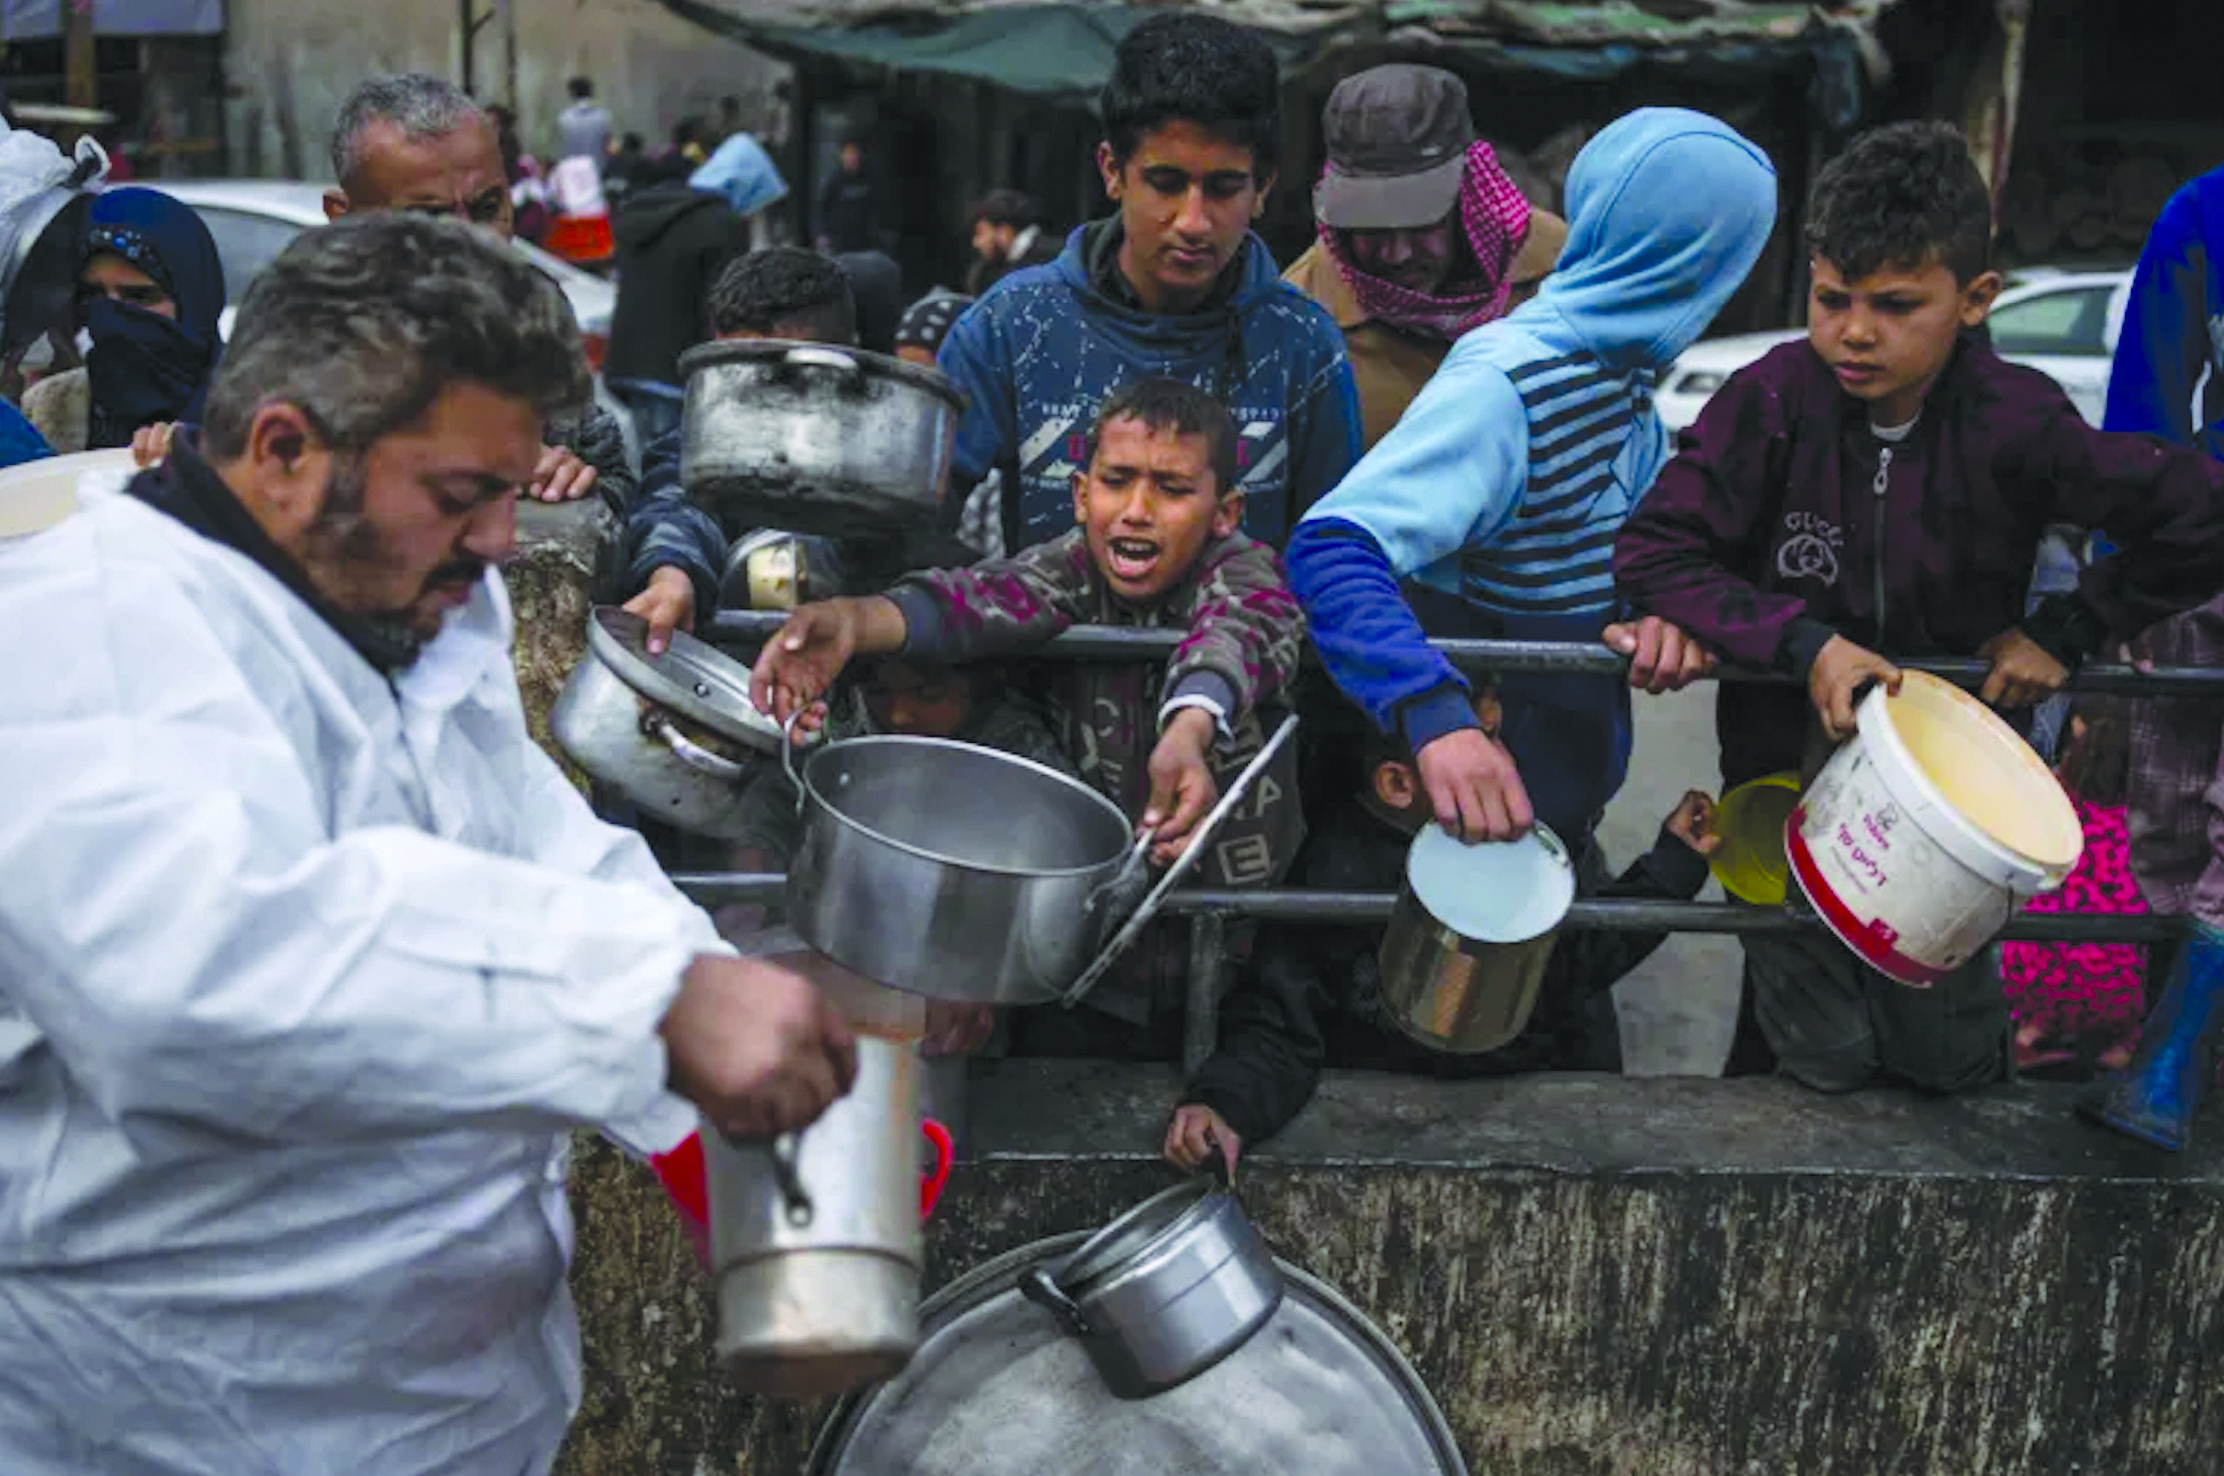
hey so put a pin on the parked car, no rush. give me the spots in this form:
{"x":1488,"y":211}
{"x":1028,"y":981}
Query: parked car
{"x":253,"y":220}
{"x":2063,"y":323}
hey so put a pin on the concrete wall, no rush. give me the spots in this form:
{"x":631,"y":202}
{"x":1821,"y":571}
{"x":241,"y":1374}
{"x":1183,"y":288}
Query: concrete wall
{"x":1595,"y":1277}
{"x":291,"y":62}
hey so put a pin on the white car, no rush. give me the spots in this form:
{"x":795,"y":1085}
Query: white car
{"x":2063,"y":323}
{"x":253,"y":220}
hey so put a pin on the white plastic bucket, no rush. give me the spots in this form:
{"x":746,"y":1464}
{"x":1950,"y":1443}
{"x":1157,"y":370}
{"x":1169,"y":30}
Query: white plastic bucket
{"x":1928,"y":830}
{"x":36,"y":495}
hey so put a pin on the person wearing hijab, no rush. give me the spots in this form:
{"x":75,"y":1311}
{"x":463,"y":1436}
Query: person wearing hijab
{"x":149,"y":292}
{"x":1423,"y":235}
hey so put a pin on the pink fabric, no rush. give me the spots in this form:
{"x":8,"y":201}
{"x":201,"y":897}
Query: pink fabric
{"x":2084,"y":992}
{"x":1495,"y":217}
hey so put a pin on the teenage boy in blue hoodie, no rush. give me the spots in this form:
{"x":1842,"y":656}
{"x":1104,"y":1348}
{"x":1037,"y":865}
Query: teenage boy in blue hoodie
{"x":1506,"y":481}
{"x":1175,"y":285}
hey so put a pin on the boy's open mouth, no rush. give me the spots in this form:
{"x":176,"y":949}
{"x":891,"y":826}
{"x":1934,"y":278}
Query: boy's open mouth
{"x":1132,"y":558}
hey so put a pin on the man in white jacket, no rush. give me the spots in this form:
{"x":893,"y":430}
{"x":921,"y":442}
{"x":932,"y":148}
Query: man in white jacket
{"x":309,"y":958}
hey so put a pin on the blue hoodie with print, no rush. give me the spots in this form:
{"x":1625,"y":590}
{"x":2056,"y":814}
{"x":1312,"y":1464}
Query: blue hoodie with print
{"x":1044,"y":348}
{"x":1505,"y":483}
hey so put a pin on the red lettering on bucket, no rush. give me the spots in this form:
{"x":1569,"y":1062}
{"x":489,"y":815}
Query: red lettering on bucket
{"x":1860,"y":859}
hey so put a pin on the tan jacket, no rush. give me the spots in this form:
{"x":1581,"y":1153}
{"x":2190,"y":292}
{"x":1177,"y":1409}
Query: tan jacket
{"x":1391,"y":364}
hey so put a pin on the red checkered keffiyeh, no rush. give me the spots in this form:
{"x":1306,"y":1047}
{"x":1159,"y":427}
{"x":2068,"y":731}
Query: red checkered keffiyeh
{"x":1495,"y":215}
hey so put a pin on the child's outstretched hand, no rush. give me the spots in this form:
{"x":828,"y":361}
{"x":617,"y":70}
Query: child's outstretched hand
{"x":1182,"y":786}
{"x":807,"y":653}
{"x":1692,"y":822}
{"x":2022,"y":671}
{"x":1192,"y":1135}
{"x":1834,"y":683}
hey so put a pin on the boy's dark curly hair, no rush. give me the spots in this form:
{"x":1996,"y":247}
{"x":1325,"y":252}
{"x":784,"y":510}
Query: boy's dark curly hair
{"x":1163,"y":404}
{"x":1184,"y":67}
{"x":784,"y":287}
{"x":1901,"y":196}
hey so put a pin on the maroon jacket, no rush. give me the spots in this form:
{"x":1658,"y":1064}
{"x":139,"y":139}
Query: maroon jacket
{"x":1762,"y":537}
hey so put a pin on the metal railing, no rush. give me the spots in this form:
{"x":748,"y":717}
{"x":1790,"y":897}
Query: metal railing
{"x":1212,"y":909}
{"x":751,"y":628}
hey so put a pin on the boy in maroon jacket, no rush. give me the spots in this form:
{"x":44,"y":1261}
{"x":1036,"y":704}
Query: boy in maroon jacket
{"x":1883,"y":487}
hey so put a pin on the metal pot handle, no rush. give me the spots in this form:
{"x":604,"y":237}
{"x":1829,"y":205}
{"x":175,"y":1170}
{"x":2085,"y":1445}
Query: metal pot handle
{"x":810,"y":356}
{"x":1039,"y":1287}
{"x":787,"y":757}
{"x":697,"y":757}
{"x":784,"y":1150}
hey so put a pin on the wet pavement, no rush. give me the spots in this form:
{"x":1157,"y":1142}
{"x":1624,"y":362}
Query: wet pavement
{"x":1679,"y":1008}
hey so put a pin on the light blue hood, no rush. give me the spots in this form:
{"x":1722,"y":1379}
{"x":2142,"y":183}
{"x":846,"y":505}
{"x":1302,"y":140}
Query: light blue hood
{"x":1667,"y":211}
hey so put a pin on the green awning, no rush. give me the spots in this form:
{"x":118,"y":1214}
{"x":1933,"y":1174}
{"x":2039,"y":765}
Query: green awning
{"x":1065,"y":50}
{"x":1044,"y":50}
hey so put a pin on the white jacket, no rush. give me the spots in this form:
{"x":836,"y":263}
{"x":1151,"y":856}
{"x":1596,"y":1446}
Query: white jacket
{"x":303,"y":979}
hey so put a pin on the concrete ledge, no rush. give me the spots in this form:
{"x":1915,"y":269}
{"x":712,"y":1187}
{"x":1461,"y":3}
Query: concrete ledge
{"x":1595,"y":1276}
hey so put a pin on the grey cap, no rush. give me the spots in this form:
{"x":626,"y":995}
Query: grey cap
{"x":1397,"y":148}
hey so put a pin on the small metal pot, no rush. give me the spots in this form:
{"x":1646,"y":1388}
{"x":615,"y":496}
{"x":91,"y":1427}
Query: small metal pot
{"x":956,"y":872}
{"x":1472,"y":991}
{"x":1164,"y":1292}
{"x":815,"y":439}
{"x":815,"y":1240}
{"x":675,"y":733}
{"x":771,"y":569}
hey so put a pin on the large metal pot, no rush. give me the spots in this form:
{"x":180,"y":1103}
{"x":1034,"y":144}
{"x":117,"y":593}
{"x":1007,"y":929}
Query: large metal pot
{"x":1471,"y":935}
{"x":815,"y":439}
{"x":676,"y":733}
{"x":815,"y":1241}
{"x":956,"y":872}
{"x":1164,"y":1292}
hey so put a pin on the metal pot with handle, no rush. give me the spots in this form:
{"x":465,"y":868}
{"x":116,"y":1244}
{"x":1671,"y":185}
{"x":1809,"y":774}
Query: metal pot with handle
{"x":1471,"y":935}
{"x":954,"y":871}
{"x":676,"y":733}
{"x":815,"y":439}
{"x":965,"y":874}
{"x":1164,"y":1292}
{"x":815,"y":1241}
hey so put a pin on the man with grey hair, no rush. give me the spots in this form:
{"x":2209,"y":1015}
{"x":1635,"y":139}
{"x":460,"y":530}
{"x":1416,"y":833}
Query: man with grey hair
{"x":414,"y":142}
{"x":310,"y":960}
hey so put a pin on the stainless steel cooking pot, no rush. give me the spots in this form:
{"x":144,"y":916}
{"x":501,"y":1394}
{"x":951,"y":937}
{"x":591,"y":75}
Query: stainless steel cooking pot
{"x":815,"y":439}
{"x":1164,"y":1292}
{"x":1471,"y":935}
{"x":956,"y":872}
{"x":815,"y":1240}
{"x":676,"y":733}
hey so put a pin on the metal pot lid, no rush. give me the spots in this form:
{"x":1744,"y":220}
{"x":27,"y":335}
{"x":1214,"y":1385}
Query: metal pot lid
{"x":1494,"y":892}
{"x":820,"y":355}
{"x":996,"y":1389}
{"x":692,"y":678}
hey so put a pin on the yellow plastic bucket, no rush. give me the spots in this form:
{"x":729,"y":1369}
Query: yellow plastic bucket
{"x":1750,"y":863}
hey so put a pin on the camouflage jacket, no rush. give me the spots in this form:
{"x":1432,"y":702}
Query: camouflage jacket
{"x":1245,"y":636}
